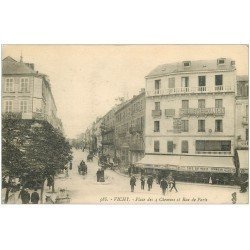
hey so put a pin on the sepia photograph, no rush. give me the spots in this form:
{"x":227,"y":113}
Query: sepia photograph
{"x":125,"y":124}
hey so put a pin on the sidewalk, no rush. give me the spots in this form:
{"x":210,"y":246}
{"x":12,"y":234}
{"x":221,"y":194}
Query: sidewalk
{"x":188,"y":183}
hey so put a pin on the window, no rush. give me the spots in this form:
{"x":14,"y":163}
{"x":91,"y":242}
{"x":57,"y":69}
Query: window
{"x":157,"y":106}
{"x":202,"y":81}
{"x":185,"y":82}
{"x":187,"y":64}
{"x":246,"y":134}
{"x":201,"y":103}
{"x":184,"y":146}
{"x":218,"y":103}
{"x":9,"y":85}
{"x":8,"y":106}
{"x":157,"y":84}
{"x":156,"y":146}
{"x":156,"y":126}
{"x":185,"y":104}
{"x":218,"y":80}
{"x":24,"y":87}
{"x":218,"y":126}
{"x":213,"y":145}
{"x":221,"y":61}
{"x":170,"y":147}
{"x":171,"y":83}
{"x":246,"y":110}
{"x":184,"y":125}
{"x":24,"y":106}
{"x":201,"y":125}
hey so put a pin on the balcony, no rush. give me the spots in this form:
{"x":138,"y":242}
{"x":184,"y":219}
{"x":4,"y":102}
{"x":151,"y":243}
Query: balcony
{"x":202,"y":112}
{"x":191,"y":90}
{"x":106,"y":130}
{"x":156,"y":113}
{"x":214,"y":152}
{"x":136,"y":147}
{"x":245,"y":120}
{"x":135,"y":129}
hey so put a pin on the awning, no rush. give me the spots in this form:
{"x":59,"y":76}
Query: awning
{"x":159,"y":162}
{"x":219,"y":164}
{"x":243,"y":160}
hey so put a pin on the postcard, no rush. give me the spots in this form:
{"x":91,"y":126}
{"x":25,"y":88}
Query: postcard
{"x":125,"y":124}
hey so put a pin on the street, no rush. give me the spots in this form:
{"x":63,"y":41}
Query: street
{"x":116,"y":189}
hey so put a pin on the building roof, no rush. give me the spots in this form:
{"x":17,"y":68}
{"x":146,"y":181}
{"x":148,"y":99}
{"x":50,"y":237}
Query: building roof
{"x":12,"y":67}
{"x":242,"y":78}
{"x":126,"y":103}
{"x":200,"y":65}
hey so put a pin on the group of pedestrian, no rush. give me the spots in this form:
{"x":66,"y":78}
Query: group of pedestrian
{"x":26,"y":198}
{"x":164,"y":183}
{"x":150,"y":180}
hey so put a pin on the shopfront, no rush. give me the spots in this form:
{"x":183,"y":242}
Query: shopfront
{"x":198,"y":169}
{"x":243,"y":163}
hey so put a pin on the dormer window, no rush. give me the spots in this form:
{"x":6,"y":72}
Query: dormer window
{"x":221,"y":61}
{"x":187,"y":64}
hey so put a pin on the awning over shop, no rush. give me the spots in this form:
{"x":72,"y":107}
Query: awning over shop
{"x":159,"y":162}
{"x":219,"y":164}
{"x":243,"y":160}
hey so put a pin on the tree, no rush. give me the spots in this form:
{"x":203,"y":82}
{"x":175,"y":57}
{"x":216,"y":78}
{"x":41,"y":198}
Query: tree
{"x":33,"y":151}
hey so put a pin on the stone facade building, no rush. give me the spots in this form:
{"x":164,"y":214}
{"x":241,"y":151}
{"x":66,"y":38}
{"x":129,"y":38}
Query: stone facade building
{"x":190,"y":120}
{"x":129,"y":130}
{"x":27,"y":92}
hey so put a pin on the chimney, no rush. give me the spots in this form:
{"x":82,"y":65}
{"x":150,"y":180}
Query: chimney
{"x":21,"y":57}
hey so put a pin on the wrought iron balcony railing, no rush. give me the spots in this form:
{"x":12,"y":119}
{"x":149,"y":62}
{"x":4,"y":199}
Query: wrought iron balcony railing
{"x":190,"y":90}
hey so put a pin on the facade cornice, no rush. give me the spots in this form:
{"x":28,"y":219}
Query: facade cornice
{"x":188,"y":72}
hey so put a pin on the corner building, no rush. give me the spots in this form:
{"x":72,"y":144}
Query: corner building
{"x":190,"y":121}
{"x":27,"y":93}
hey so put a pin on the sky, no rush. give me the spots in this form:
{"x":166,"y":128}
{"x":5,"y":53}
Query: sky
{"x":86,"y":80}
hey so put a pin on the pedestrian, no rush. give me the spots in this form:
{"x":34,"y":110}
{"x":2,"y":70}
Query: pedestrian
{"x":129,"y":171}
{"x":173,"y":185}
{"x":70,"y":165}
{"x":210,"y":180}
{"x":34,"y":197}
{"x":142,"y":182}
{"x":25,"y":196}
{"x":163,"y":185}
{"x":66,"y":172}
{"x":150,"y":182}
{"x":98,"y":175}
{"x":132,"y":183}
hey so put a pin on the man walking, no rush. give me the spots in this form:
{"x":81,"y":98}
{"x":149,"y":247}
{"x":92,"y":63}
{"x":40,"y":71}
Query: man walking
{"x":163,"y":185}
{"x":173,"y":185}
{"x":34,"y":197}
{"x":142,"y":182}
{"x":132,"y":183}
{"x":150,"y":182}
{"x":25,"y":196}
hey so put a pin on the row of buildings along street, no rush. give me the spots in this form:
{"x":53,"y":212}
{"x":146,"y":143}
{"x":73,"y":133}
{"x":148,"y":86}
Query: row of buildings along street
{"x":191,"y":120}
